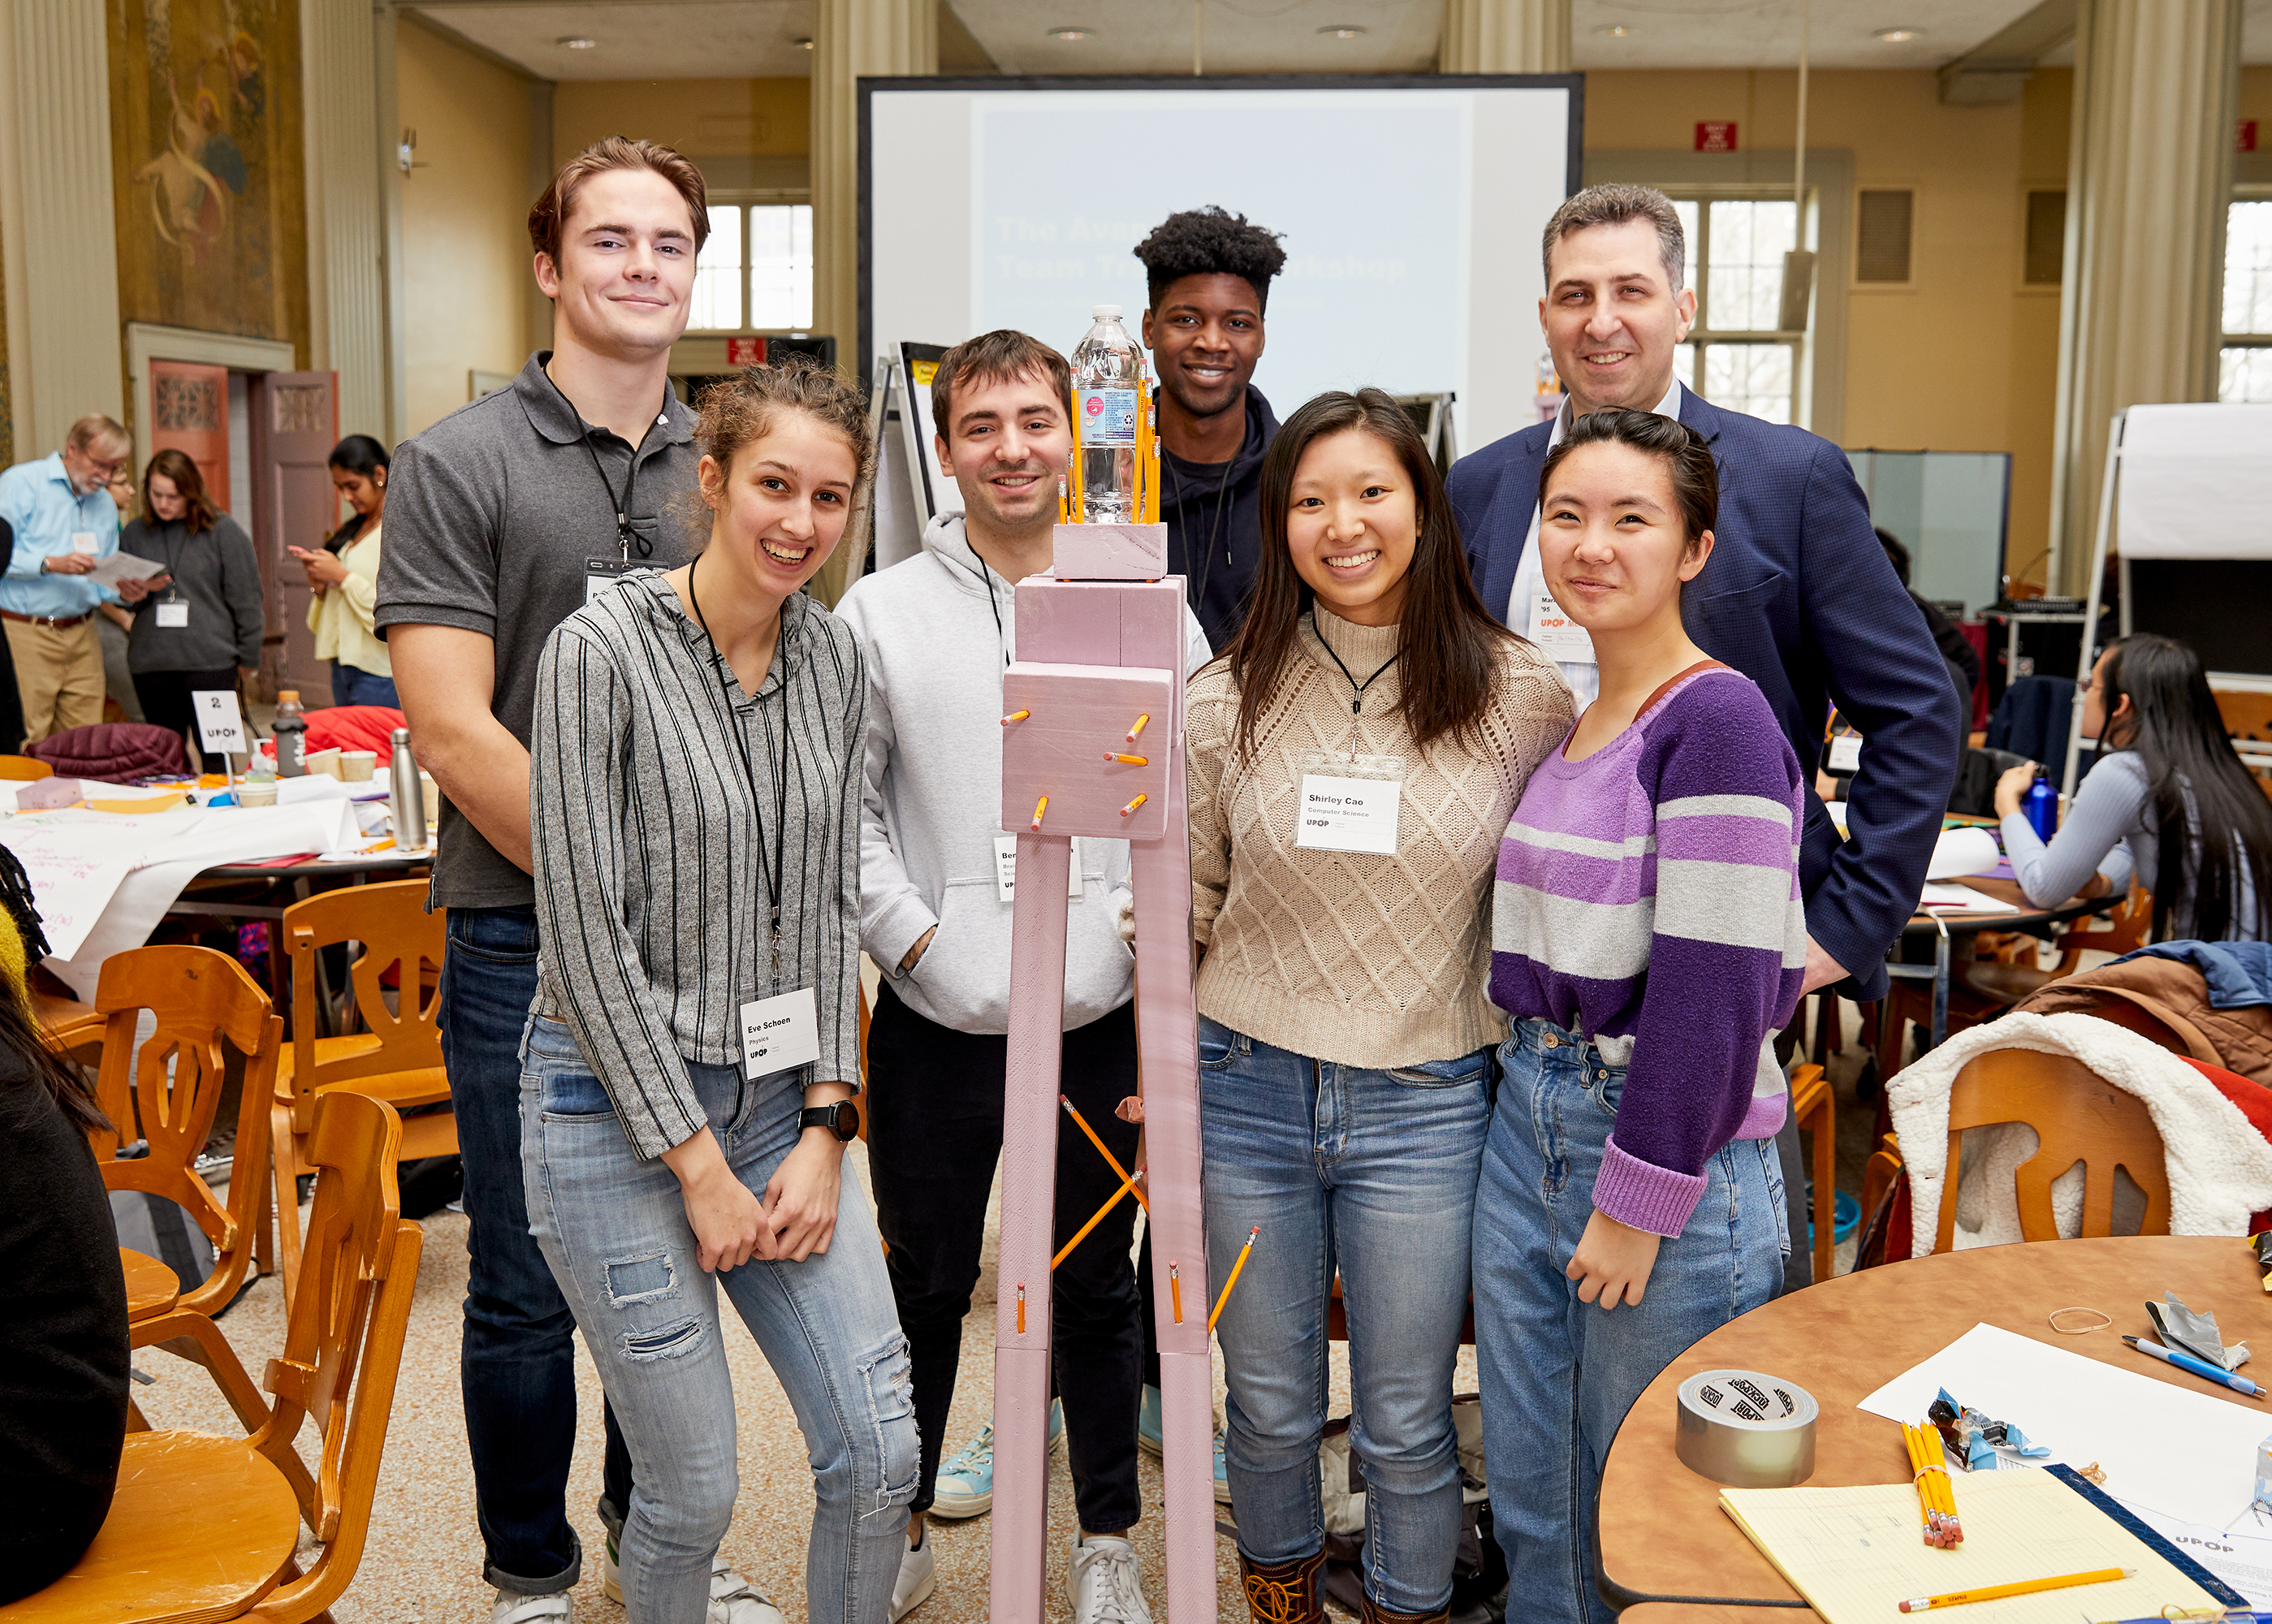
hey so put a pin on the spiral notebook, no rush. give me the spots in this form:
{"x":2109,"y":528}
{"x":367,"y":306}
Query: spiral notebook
{"x":1856,"y":1553}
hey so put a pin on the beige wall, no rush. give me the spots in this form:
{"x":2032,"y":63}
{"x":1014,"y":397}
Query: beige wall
{"x":465,"y":212}
{"x":1963,"y":357}
{"x":702,"y":117}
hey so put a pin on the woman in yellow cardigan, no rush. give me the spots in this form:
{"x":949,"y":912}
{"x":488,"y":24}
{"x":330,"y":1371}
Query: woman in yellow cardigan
{"x":344,"y":577}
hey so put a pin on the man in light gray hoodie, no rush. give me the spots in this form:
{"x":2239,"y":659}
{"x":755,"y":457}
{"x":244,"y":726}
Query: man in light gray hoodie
{"x":936,"y":880}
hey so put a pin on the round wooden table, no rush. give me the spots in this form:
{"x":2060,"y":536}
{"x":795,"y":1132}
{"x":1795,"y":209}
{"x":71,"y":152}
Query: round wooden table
{"x":1661,"y":1536}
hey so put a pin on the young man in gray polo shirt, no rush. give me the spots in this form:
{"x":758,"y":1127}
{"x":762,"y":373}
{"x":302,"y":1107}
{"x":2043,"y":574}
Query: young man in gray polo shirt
{"x":499,"y":519}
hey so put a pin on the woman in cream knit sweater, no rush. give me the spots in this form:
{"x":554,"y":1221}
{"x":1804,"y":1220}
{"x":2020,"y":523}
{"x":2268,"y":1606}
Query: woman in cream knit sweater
{"x":1354,"y":759}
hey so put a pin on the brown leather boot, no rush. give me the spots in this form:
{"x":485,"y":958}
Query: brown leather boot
{"x":1373,"y":1614}
{"x":1285,"y":1592}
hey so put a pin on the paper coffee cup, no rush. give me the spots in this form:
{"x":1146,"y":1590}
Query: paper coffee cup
{"x":356,"y":765}
{"x":256,"y":795}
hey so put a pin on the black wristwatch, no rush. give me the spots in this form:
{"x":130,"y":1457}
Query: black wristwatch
{"x":842,"y":1119}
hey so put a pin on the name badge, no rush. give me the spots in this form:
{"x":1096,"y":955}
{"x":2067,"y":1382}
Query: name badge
{"x":1558,"y":636}
{"x":780,"y":1032}
{"x":1006,"y":869}
{"x":1349,"y":814}
{"x":84,"y":542}
{"x":601,"y":574}
{"x":173,"y":614}
{"x":1845,"y":753}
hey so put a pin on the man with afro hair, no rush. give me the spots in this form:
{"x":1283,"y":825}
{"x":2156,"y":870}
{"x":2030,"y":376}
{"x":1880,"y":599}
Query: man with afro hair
{"x":1209,"y":274}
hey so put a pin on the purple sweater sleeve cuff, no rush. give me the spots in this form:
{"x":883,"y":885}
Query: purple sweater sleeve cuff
{"x":1644,"y":1196}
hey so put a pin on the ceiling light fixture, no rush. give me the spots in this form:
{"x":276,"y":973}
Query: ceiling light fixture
{"x":1071,"y":34}
{"x":577,"y":42}
{"x":1898,"y":36}
{"x":1341,"y":31}
{"x":1616,"y":31}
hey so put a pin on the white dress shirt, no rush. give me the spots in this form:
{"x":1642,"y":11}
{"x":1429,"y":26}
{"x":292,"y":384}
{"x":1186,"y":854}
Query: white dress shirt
{"x":1560,"y":640}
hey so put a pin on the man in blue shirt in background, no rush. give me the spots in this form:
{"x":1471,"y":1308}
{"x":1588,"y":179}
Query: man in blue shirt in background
{"x":64,"y":524}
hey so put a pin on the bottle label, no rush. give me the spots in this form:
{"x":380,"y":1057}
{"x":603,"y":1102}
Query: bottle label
{"x":1107,"y":417}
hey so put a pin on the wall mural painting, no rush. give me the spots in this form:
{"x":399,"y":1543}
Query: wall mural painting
{"x":206,"y":142}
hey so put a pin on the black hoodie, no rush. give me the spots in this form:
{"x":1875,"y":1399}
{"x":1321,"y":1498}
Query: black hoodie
{"x":1215,"y":524}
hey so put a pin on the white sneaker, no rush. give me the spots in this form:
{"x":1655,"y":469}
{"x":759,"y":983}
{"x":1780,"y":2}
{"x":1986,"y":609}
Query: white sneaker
{"x":513,"y":1608}
{"x":734,"y":1600}
{"x":918,"y":1576}
{"x":1107,"y":1583}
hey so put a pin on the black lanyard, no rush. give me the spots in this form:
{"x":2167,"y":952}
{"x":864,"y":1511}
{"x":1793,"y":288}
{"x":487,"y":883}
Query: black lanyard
{"x":626,"y":538}
{"x":1206,"y":559}
{"x":773,"y":875}
{"x":1000,"y":636}
{"x":173,"y":566}
{"x":1356,"y":688}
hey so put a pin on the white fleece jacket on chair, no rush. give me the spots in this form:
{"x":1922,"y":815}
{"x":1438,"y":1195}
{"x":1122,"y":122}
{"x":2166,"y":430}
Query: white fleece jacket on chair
{"x":2219,"y":1167}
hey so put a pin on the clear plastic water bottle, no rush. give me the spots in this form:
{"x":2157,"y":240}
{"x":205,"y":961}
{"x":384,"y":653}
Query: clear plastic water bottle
{"x":291,"y":730}
{"x":1107,"y":367}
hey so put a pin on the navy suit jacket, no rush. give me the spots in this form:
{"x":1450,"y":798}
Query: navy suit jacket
{"x":1799,"y":597}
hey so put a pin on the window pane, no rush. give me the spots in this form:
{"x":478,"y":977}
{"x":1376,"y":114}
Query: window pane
{"x":2248,"y":268}
{"x":1686,"y":209}
{"x":1749,"y":378}
{"x":718,"y":272}
{"x":781,"y":266}
{"x":1684,"y":365}
{"x":2244,"y":375}
{"x":1744,"y":284}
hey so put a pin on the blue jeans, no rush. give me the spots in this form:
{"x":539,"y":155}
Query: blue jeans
{"x":613,"y":1227}
{"x":351,"y":684}
{"x":1558,"y":1375}
{"x":517,"y":1361}
{"x":1372,"y":1172}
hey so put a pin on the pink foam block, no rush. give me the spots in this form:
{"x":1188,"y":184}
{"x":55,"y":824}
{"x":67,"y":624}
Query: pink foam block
{"x":1077,"y":715}
{"x":1110,"y":552}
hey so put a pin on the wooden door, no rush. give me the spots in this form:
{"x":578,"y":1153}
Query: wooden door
{"x":295,"y":423}
{"x":189,"y":412}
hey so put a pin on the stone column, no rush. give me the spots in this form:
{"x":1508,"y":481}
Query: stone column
{"x":350,"y":183}
{"x":2149,"y":174}
{"x":1505,"y":36}
{"x":852,"y":39}
{"x":61,"y":233}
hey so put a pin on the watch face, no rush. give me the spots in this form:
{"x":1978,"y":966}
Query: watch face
{"x":848,"y":1120}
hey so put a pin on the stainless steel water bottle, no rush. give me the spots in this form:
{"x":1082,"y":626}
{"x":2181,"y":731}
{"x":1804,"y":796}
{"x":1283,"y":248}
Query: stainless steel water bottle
{"x":407,"y":795}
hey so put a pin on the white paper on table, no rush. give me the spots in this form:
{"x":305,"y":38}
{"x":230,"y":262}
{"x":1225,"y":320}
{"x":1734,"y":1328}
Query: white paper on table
{"x":123,"y":566}
{"x":2241,"y":1556}
{"x":2188,"y":1456}
{"x":74,"y":874}
{"x":1963,"y":900}
{"x":1959,"y":852}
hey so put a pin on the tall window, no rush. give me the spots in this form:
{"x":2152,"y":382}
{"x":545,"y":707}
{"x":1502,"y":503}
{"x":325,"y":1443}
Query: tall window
{"x":2245,"y":364}
{"x":755,"y":273}
{"x":1736,"y":356}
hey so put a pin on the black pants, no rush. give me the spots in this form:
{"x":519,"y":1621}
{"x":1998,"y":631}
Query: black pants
{"x":934,"y":1136}
{"x":165,"y":697}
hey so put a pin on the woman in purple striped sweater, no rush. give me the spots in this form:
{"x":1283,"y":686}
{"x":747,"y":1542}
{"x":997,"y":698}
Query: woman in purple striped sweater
{"x":1648,"y":940}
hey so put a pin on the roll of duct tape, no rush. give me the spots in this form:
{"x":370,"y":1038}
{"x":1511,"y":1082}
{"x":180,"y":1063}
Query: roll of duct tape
{"x":1747,"y":1430}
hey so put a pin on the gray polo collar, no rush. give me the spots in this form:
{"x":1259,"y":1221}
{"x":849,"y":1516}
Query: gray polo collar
{"x":551,"y":417}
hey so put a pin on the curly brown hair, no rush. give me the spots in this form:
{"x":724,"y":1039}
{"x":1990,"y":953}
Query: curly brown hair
{"x":742,"y":409}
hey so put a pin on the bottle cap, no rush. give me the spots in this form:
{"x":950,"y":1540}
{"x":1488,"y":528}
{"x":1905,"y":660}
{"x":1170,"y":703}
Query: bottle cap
{"x":1105,"y":313}
{"x":288,"y":696}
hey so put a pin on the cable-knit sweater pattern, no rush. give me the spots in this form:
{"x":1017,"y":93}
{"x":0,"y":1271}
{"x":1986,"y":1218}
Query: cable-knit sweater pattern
{"x":1364,"y":959}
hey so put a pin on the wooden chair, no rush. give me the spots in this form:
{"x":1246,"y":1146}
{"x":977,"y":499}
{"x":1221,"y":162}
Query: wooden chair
{"x":2079,"y":1116}
{"x":198,"y":998}
{"x":397,"y":1056}
{"x":1815,"y":1108}
{"x":24,"y":769}
{"x":203,"y":1528}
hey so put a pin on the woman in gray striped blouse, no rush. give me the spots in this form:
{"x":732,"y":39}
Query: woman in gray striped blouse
{"x":692,"y":1051}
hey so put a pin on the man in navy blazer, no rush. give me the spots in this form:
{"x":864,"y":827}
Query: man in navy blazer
{"x":1798,"y":594}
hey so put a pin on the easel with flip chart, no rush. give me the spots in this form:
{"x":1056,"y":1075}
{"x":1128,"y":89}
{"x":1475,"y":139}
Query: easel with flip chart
{"x":220,"y":729}
{"x":908,"y":491}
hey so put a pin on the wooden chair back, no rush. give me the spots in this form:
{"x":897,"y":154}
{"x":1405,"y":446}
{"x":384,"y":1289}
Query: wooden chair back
{"x":2245,"y":714}
{"x":24,"y":769}
{"x":2118,"y":931}
{"x":199,"y":997}
{"x":2079,"y":1117}
{"x":343,"y":1345}
{"x":396,"y":933}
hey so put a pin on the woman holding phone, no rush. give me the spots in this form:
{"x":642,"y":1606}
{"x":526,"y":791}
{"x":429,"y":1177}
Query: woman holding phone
{"x":343,"y":578}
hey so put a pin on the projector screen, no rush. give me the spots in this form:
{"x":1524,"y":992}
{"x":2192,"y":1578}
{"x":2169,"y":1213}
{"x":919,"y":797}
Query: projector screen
{"x":1411,"y":211}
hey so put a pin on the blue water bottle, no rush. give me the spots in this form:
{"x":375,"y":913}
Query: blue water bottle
{"x":2040,"y":806}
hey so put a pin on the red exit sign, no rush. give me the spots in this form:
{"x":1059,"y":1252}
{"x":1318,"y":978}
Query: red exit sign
{"x":1716,"y":135}
{"x":2244,"y":135}
{"x":745,"y":352}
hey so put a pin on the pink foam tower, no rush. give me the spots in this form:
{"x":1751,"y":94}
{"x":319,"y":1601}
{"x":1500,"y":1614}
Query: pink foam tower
{"x":1101,"y":645}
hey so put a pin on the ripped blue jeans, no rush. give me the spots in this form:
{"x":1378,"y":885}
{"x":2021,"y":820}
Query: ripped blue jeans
{"x":613,"y":1227}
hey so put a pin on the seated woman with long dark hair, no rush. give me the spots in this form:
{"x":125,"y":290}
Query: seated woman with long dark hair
{"x":2169,"y":802}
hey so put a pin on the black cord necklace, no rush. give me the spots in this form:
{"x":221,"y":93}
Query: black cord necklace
{"x":774,"y":874}
{"x":626,"y":538}
{"x":1206,"y":559}
{"x":1356,"y":688}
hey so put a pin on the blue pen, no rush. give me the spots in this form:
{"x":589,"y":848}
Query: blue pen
{"x":2200,"y":1367}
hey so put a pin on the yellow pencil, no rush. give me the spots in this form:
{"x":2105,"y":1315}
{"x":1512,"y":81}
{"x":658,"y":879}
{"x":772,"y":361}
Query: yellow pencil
{"x":1176,"y":1289}
{"x":2025,"y":1587}
{"x":1244,"y":1252}
{"x":1066,"y":1251}
{"x":1917,"y":1477}
{"x":1111,"y":1160}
